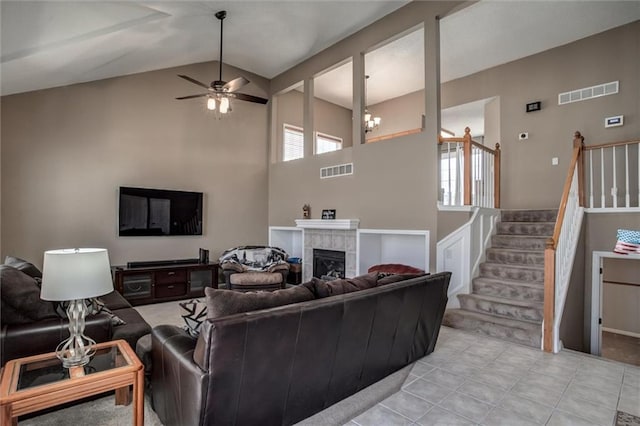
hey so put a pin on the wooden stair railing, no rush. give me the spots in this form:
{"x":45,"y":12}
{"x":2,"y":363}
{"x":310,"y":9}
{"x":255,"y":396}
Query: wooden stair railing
{"x":551,"y":268}
{"x":478,"y":162}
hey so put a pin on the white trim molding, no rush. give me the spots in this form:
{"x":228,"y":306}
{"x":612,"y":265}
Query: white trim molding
{"x":328,"y":223}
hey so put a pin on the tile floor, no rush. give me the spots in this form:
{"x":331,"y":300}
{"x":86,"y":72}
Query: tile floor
{"x":475,"y":380}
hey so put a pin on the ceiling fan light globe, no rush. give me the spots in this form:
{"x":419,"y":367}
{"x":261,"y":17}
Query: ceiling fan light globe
{"x":376,"y":121}
{"x":224,"y":105}
{"x":367,"y":116}
{"x":211,"y":104}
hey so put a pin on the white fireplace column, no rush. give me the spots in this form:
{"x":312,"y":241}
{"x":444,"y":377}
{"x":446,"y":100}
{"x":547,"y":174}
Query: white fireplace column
{"x":329,"y":234}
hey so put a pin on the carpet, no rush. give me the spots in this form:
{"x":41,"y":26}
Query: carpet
{"x":626,"y":419}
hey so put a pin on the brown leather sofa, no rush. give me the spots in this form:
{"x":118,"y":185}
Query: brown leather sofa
{"x":30,"y":325}
{"x":280,"y":365}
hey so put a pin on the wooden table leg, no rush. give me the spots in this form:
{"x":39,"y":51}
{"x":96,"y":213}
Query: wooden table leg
{"x":123,"y":396}
{"x":138,"y":399}
{"x":5,"y":416}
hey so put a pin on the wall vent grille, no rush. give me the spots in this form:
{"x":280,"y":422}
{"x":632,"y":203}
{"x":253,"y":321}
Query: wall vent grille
{"x":588,"y":93}
{"x":335,"y":171}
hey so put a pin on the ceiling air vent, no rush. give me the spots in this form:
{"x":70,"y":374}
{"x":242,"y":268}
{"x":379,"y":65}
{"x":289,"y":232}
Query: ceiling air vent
{"x":588,"y":93}
{"x":334,"y":171}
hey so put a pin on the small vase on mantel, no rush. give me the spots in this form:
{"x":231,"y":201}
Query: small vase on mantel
{"x":306,"y":211}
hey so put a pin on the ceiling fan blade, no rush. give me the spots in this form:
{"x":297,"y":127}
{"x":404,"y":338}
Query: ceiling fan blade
{"x":250,"y":98}
{"x":192,"y":96}
{"x":186,"y":77}
{"x":235,"y":84}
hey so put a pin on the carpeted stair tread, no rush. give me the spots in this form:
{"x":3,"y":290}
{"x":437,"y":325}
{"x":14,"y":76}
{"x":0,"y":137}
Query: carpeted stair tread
{"x":526,"y":242}
{"x":526,"y":228}
{"x":508,"y":308}
{"x":548,"y":215}
{"x":513,"y":256}
{"x":528,"y":273}
{"x":508,"y":289}
{"x":522,"y":332}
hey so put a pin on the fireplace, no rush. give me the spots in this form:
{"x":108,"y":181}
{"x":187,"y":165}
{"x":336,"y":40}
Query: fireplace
{"x":328,"y":264}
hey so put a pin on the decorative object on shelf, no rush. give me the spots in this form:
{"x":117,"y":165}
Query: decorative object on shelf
{"x":628,"y":242}
{"x":219,"y":92}
{"x":306,"y":211}
{"x":74,"y":275}
{"x":370,"y":122}
{"x":329,"y":214}
{"x":203,"y":256}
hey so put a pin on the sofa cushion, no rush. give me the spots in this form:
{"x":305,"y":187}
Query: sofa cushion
{"x":24,"y":266}
{"x":345,"y":285}
{"x":254,"y":278}
{"x":394,"y":278}
{"x":21,"y":300}
{"x":221,"y":303}
{"x":114,"y":300}
{"x":136,"y":326}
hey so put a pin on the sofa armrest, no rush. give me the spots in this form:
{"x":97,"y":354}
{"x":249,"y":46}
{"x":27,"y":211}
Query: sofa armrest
{"x":178,"y":385}
{"x":17,"y":341}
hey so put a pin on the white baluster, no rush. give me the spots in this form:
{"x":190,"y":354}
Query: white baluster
{"x":614,"y":189}
{"x":627,"y":199}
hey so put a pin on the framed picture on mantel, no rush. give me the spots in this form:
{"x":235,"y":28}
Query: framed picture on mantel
{"x":329,"y":214}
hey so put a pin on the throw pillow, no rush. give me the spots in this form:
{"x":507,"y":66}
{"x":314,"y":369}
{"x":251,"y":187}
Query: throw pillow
{"x":24,"y":266}
{"x":94,"y":306}
{"x":195,"y":314}
{"x":394,"y":268}
{"x":345,"y":285}
{"x":21,"y":298}
{"x":221,"y":303}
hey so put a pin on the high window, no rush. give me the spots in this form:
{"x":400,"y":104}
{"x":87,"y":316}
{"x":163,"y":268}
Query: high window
{"x":293,"y":147}
{"x":327,"y":143}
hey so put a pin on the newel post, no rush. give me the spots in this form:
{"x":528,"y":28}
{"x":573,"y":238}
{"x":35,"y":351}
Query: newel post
{"x":496,"y":178}
{"x":549,"y":295}
{"x":466,"y":145}
{"x":578,"y":142}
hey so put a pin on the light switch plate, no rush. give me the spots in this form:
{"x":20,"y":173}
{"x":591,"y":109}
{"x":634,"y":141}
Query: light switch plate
{"x":554,"y":161}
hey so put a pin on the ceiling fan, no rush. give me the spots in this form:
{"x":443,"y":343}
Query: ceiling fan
{"x":219,"y":92}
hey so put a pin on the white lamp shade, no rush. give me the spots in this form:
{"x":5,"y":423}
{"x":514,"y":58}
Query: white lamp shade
{"x":71,"y":274}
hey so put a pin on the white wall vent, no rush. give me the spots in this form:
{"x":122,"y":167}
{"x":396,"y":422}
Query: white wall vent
{"x":334,"y":171}
{"x":588,"y":93}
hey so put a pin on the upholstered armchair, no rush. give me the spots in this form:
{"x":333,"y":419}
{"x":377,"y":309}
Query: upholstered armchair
{"x":251,"y":268}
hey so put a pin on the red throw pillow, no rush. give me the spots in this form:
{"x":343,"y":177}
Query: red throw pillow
{"x":395,"y":268}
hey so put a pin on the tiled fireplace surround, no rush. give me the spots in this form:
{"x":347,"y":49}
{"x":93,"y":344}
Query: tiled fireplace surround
{"x":330,"y":239}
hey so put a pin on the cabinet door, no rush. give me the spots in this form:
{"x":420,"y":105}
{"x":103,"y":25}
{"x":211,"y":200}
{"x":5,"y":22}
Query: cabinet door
{"x":199,"y":279}
{"x":137,"y":286}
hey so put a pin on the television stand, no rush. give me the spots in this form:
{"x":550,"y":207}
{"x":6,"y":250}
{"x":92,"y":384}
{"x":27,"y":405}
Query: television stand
{"x":162,"y":281}
{"x":152,"y":263}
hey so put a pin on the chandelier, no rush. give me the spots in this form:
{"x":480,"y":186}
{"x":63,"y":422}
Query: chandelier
{"x":371,"y":122}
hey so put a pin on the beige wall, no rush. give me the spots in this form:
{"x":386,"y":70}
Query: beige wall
{"x":598,"y":59}
{"x":329,"y":118}
{"x":393,"y":186}
{"x":398,"y":114}
{"x":449,"y":221}
{"x":601,"y":235}
{"x":65,"y":152}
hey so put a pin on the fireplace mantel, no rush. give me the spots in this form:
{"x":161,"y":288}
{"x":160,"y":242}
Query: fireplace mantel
{"x":328,"y":223}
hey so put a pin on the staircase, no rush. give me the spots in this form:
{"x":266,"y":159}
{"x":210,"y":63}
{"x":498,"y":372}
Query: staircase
{"x":507,"y":297}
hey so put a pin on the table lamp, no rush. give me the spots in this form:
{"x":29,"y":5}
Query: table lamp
{"x":74,"y":275}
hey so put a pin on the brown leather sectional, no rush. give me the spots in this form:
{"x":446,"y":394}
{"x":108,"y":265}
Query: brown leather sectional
{"x":281,"y":365}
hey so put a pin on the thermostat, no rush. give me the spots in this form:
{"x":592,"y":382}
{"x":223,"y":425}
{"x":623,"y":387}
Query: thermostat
{"x":614,"y":121}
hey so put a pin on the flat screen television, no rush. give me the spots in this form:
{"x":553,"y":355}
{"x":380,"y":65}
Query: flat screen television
{"x":159,"y":212}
